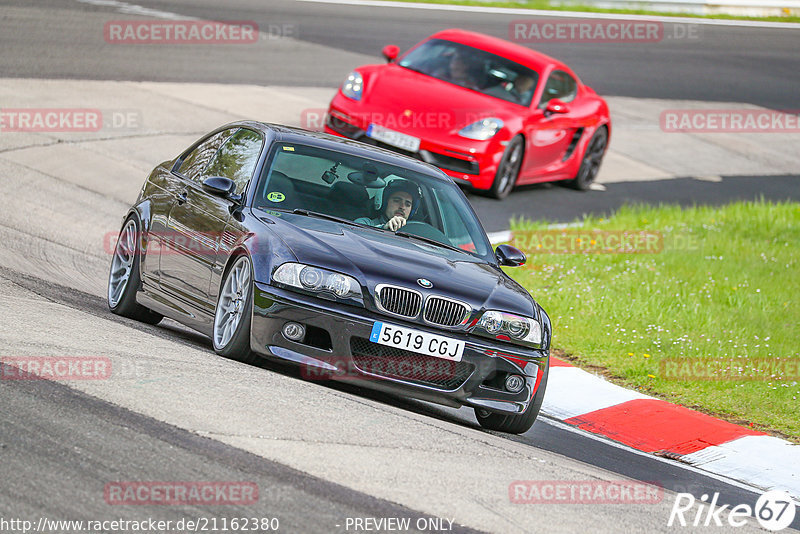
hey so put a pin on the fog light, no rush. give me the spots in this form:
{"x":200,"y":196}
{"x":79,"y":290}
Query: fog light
{"x":514,"y":383}
{"x":294,"y":331}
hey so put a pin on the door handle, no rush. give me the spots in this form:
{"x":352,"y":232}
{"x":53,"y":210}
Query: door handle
{"x":182,"y":197}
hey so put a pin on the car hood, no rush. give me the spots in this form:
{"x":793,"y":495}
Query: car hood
{"x":417,"y":104}
{"x":376,"y":257}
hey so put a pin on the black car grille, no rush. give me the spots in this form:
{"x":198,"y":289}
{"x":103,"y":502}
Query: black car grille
{"x":445,"y":312}
{"x":408,"y":366}
{"x":399,"y":301}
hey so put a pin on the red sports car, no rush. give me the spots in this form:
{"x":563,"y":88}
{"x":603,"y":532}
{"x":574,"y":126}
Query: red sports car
{"x":490,"y":113}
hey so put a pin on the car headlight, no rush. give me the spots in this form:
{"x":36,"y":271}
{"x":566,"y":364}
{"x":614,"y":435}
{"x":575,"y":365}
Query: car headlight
{"x":502,"y":325}
{"x":482,"y":130}
{"x":320,"y":282}
{"x":353,"y":85}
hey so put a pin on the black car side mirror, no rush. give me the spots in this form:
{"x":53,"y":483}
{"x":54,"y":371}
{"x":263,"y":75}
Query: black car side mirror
{"x":509,"y":256}
{"x":219,"y":186}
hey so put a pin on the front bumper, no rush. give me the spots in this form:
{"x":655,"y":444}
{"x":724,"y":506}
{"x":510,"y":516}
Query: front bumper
{"x":473,"y":166}
{"x":337,"y":347}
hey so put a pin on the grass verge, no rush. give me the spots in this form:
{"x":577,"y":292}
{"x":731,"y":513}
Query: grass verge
{"x":547,"y":6}
{"x":701,"y":309}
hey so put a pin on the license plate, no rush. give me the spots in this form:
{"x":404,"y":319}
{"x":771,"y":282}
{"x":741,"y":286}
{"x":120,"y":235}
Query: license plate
{"x":390,"y":137}
{"x":416,"y":341}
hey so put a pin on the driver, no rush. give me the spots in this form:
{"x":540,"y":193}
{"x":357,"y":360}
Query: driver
{"x":400,"y":201}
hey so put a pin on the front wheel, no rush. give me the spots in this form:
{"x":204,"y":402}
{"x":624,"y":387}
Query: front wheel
{"x":124,"y":278}
{"x":508,"y":171}
{"x":232,"y":318}
{"x":511,"y":423}
{"x":592,"y":158}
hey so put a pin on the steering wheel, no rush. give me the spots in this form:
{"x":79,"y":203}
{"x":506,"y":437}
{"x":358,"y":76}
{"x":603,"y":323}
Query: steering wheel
{"x":423,"y":229}
{"x":367,"y":179}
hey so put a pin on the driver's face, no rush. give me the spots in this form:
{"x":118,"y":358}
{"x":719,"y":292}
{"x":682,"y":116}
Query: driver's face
{"x":400,"y":203}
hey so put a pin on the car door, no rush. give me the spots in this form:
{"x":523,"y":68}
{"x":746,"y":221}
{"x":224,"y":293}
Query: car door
{"x":197,"y":221}
{"x":550,"y":135}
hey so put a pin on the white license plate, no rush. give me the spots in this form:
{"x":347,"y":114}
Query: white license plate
{"x":417,"y":341}
{"x":390,"y":137}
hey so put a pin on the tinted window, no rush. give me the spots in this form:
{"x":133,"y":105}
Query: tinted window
{"x":237,"y":158}
{"x":559,"y":85}
{"x":294,"y":177}
{"x":474,"y":69}
{"x":194,"y":163}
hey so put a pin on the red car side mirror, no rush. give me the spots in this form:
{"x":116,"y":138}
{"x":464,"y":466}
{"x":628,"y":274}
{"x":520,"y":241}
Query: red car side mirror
{"x":556,"y":106}
{"x":390,"y":52}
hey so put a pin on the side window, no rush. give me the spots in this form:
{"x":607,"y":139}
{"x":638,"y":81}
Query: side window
{"x":559,"y":85}
{"x":237,"y":158}
{"x":454,"y":227}
{"x":194,"y":163}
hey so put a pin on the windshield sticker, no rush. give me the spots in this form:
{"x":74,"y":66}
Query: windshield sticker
{"x":289,"y":148}
{"x":275,"y":196}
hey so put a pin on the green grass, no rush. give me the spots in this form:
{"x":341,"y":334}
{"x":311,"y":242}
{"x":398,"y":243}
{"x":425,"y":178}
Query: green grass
{"x":547,"y":6}
{"x":725,"y":286}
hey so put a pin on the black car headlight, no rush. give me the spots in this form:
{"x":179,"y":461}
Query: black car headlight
{"x":319,"y":282}
{"x":509,"y":327}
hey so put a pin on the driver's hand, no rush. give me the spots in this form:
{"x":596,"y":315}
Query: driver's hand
{"x":395,"y":223}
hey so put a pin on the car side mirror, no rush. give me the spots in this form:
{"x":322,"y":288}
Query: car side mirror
{"x":509,"y":256}
{"x":556,"y":106}
{"x":219,"y":186}
{"x":390,"y":52}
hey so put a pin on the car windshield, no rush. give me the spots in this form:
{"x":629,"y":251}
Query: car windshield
{"x":312,"y":181}
{"x":474,"y":69}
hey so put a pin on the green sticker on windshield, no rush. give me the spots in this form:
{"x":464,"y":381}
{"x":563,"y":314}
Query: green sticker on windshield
{"x":276,"y":197}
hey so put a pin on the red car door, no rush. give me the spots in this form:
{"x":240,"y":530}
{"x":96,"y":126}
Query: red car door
{"x":551,"y":131}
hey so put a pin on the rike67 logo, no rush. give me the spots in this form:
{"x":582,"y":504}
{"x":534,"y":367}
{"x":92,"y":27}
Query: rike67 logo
{"x":774,"y":510}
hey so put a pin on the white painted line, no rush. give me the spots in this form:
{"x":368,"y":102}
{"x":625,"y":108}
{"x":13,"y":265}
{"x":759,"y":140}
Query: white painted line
{"x":597,"y":187}
{"x":500,"y":237}
{"x":572,"y":391}
{"x":132,"y":9}
{"x":765,"y":461}
{"x":560,"y":14}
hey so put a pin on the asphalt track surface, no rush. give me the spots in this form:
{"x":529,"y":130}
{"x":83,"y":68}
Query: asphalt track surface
{"x":720,"y":63}
{"x":59,"y":446}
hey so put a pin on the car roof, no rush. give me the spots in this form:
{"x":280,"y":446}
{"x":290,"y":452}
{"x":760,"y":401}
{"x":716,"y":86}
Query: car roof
{"x":289,"y":134}
{"x":522,"y":55}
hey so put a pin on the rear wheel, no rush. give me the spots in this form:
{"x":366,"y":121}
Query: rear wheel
{"x":124,"y":278}
{"x":508,"y":171}
{"x":592,"y":158}
{"x":515,"y":424}
{"x":233,"y":315}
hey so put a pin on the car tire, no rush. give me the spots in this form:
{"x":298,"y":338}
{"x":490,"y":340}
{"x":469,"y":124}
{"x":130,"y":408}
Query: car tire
{"x":233,"y":313}
{"x":508,"y":170}
{"x":515,"y":424}
{"x":592,"y":158}
{"x":124,"y":277}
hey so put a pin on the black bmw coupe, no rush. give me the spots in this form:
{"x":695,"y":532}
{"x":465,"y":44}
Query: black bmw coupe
{"x":354,"y":262}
